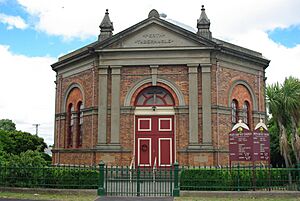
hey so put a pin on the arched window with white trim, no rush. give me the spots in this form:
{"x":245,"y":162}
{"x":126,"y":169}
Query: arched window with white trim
{"x":70,"y":125}
{"x":79,"y":124}
{"x":154,"y":96}
{"x":234,"y":111}
{"x":245,"y":113}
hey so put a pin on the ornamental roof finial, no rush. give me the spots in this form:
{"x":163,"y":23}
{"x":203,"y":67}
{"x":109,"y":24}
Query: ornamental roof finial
{"x":106,"y":27}
{"x":203,"y":24}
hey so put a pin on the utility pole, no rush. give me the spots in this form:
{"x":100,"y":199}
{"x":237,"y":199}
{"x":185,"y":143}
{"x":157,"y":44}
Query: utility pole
{"x":36,"y":128}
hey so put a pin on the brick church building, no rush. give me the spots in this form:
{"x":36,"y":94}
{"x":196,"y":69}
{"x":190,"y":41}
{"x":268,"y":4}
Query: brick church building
{"x":154,"y":94}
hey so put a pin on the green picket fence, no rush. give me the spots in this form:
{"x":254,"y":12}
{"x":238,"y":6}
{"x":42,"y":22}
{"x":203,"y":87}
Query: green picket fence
{"x":239,"y":178}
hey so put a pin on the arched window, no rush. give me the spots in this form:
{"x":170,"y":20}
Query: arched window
{"x":79,"y":124}
{"x":234,"y":111}
{"x":70,"y":125}
{"x":246,"y":113}
{"x":154,"y":96}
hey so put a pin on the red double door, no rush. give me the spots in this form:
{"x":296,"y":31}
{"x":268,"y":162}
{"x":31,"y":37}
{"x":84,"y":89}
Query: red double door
{"x":154,"y":141}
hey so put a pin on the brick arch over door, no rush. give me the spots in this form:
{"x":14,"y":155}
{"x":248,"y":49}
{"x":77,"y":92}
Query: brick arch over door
{"x":144,"y":83}
{"x":67,"y":93}
{"x":253,"y":98}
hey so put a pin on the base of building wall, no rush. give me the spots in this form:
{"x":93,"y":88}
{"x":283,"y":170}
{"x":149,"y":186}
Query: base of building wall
{"x":201,"y":148}
{"x":185,"y":157}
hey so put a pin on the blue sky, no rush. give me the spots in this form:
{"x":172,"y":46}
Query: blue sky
{"x":30,"y":41}
{"x":289,"y":37}
{"x":34,"y":33}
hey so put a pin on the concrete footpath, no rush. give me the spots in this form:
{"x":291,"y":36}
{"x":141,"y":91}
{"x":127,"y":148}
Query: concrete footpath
{"x":134,"y":199}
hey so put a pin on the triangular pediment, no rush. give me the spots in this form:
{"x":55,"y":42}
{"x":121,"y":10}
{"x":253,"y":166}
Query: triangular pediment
{"x":155,"y":35}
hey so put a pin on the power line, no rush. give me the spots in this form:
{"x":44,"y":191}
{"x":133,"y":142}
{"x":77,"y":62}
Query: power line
{"x":36,"y":128}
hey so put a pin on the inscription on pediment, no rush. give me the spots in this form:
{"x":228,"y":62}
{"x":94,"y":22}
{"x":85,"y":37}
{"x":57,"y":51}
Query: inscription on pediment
{"x":156,"y":36}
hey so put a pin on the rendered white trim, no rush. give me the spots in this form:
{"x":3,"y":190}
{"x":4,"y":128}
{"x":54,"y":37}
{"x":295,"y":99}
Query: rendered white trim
{"x":67,"y":92}
{"x":157,"y":111}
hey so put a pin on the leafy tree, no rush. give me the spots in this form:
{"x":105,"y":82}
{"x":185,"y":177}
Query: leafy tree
{"x":20,"y":147}
{"x":3,"y":158}
{"x":7,"y":125}
{"x":16,"y":142}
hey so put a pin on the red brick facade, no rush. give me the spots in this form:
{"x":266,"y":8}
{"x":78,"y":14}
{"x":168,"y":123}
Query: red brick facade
{"x":240,"y":79}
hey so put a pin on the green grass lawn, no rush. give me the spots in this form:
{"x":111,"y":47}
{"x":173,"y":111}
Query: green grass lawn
{"x":48,"y":196}
{"x":84,"y":197}
{"x":239,"y":199}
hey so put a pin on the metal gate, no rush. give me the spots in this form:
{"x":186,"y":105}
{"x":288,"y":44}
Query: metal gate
{"x":140,"y":181}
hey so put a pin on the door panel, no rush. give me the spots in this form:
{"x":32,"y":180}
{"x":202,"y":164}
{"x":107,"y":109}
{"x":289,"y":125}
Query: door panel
{"x":164,"y":124}
{"x":157,"y":134}
{"x":165,"y":152}
{"x":144,"y":124}
{"x":144,"y":151}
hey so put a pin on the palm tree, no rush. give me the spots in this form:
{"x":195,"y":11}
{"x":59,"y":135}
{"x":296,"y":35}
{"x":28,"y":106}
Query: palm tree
{"x":277,"y":109}
{"x":291,"y":100}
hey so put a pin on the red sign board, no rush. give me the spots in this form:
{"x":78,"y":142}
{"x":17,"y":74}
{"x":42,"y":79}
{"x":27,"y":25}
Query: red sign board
{"x":240,"y":145}
{"x":245,"y":145}
{"x":261,"y":145}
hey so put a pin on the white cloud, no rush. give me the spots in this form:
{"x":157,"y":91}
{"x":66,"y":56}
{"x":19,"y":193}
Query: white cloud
{"x":284,"y":61}
{"x":13,"y":21}
{"x":81,"y":19}
{"x":27,"y":92}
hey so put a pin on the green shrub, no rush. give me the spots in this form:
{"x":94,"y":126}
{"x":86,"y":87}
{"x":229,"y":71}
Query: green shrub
{"x":49,"y":177}
{"x":244,"y":178}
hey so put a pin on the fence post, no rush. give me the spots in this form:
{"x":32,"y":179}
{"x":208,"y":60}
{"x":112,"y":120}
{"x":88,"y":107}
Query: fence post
{"x":101,"y":190}
{"x":238,"y":177}
{"x":138,"y":189}
{"x":176,"y":190}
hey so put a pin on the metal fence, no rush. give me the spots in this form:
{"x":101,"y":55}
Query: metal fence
{"x":71,"y":177}
{"x":139,"y":181}
{"x":143,"y":181}
{"x":239,"y":178}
